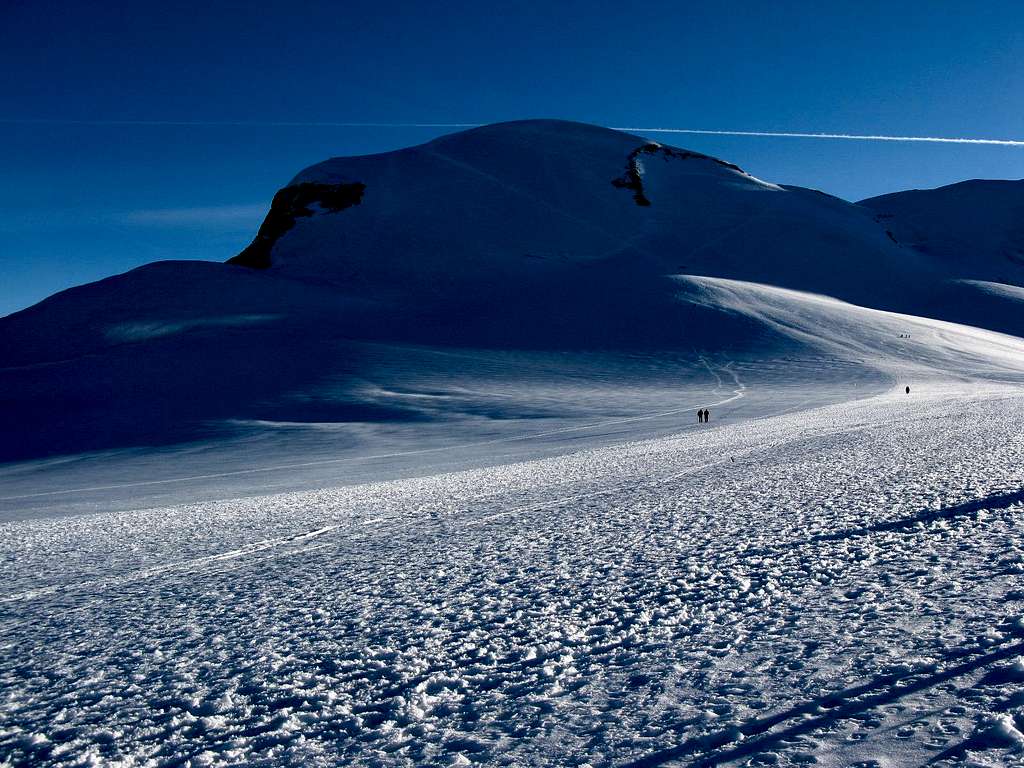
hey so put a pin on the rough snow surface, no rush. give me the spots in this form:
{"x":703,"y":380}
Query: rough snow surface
{"x":840,"y":586}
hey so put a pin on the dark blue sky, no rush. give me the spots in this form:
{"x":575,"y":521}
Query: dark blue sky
{"x":81,"y":201}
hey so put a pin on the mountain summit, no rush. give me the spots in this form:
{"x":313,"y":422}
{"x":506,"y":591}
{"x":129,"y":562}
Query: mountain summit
{"x":518,"y":207}
{"x":512,"y":200}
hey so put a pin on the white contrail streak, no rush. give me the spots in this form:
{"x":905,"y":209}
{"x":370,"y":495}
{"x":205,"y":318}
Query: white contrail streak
{"x":847,"y":136}
{"x":691,"y":131}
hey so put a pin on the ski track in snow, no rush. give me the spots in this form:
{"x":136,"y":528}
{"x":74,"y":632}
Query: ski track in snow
{"x":840,"y":586}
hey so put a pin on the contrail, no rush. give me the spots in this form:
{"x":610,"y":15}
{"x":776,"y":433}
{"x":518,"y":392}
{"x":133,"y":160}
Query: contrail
{"x":847,"y":136}
{"x":632,"y":129}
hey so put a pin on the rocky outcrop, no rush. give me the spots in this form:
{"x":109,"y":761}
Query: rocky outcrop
{"x":632,"y":179}
{"x":291,"y":203}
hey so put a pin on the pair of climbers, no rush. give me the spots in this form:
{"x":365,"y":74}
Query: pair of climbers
{"x":703,"y":416}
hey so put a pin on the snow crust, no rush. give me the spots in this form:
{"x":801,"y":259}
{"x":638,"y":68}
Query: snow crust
{"x":841,"y":584}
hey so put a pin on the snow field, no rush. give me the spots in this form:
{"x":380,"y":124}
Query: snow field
{"x":841,"y":585}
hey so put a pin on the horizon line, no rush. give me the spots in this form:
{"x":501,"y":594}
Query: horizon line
{"x":398,"y":125}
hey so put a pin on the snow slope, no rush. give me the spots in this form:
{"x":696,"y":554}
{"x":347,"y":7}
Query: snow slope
{"x":977,"y":225}
{"x":429,"y":409}
{"x":975,"y":230}
{"x":517,"y":279}
{"x":840,"y":586}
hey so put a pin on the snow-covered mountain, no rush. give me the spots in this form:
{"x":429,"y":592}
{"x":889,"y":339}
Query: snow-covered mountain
{"x":541,"y":213}
{"x":417,"y":479}
{"x":537,"y":203}
{"x":536,"y":199}
{"x":976,"y":226}
{"x":518,"y":241}
{"x":974,"y":232}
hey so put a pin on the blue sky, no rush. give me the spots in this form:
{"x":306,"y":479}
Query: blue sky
{"x":80,"y":201}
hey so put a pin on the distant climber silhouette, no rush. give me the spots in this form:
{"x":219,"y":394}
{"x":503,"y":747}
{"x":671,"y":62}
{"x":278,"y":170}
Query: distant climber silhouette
{"x":700,"y":416}
{"x":707,"y":415}
{"x":908,"y":390}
